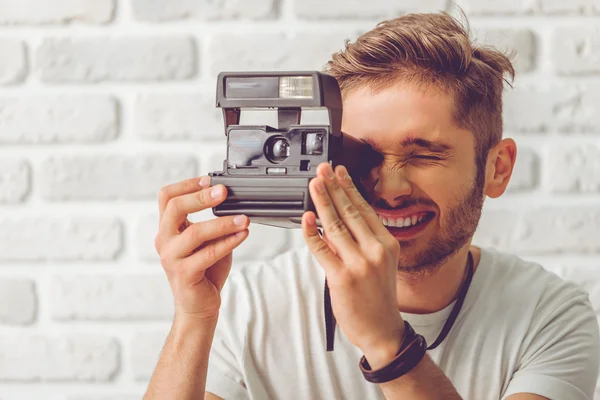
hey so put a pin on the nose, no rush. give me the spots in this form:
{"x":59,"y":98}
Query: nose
{"x":391,"y":189}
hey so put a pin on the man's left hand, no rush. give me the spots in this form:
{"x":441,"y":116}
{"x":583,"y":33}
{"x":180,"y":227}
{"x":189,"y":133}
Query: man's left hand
{"x":360,"y":259}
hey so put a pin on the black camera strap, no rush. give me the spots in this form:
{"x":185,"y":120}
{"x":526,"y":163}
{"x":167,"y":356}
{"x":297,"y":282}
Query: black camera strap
{"x":330,"y":319}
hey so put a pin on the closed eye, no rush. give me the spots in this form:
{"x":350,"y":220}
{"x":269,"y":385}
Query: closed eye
{"x":428,"y":158}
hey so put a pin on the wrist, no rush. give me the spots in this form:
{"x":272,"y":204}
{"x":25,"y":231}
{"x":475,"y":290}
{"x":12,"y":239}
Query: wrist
{"x":184,"y":324}
{"x":381,"y":353}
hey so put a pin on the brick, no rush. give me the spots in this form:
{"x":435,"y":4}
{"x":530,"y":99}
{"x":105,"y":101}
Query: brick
{"x":498,"y":7}
{"x":572,"y":169}
{"x":18,"y":301}
{"x":576,"y":51}
{"x":117,"y":396}
{"x":136,"y":59}
{"x":59,"y":238}
{"x":553,"y":108}
{"x":526,"y":171}
{"x":145,"y":351}
{"x":58,"y":119}
{"x":111,"y":297}
{"x":168,"y":10}
{"x":357,"y":9}
{"x":68,"y":358}
{"x":255,"y":52}
{"x":549,"y":230}
{"x":178,"y":117}
{"x":15,"y":180}
{"x":112,"y":177}
{"x":13,"y":63}
{"x":146,"y":230}
{"x":571,"y":7}
{"x":41,"y":12}
{"x":520,"y":41}
{"x":585,"y":276}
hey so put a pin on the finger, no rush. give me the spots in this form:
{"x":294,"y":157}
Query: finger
{"x":213,"y":252}
{"x":320,"y":249}
{"x":199,"y":233}
{"x":347,"y":211}
{"x":180,"y":188}
{"x":336,"y":229}
{"x":365,"y":209}
{"x":179,"y":207}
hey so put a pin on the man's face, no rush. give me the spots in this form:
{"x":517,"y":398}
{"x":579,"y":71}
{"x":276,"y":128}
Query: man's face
{"x":424,"y":185}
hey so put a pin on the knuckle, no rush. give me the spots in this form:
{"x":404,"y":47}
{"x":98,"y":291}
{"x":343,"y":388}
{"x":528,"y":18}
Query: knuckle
{"x":351,"y":212}
{"x":211,"y":252}
{"x":203,"y":197}
{"x":379,"y":252}
{"x":158,"y":242}
{"x":174,"y":205}
{"x":362,"y":205}
{"x":164,"y":193}
{"x":165,"y":261}
{"x":321,"y":247}
{"x":393,"y":246}
{"x":325,"y":200}
{"x":196,"y":234}
{"x":334,"y":183}
{"x":337,"y":227}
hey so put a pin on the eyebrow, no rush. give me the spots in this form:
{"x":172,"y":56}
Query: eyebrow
{"x":436,"y":147}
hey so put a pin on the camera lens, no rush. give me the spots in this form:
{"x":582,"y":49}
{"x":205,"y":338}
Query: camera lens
{"x":278,"y":149}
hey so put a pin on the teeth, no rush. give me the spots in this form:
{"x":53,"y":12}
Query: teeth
{"x":401,"y":222}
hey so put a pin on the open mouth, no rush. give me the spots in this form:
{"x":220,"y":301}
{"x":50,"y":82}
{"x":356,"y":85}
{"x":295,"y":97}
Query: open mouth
{"x":403,"y":228}
{"x":407,"y":222}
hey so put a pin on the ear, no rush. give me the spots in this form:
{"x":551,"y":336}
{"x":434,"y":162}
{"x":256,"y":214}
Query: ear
{"x":499,"y":167}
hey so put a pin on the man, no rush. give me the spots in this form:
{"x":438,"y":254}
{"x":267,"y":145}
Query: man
{"x":399,"y":263}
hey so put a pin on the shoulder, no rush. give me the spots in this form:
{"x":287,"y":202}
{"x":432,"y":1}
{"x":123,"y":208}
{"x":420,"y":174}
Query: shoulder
{"x":554,"y":319}
{"x":511,"y":277}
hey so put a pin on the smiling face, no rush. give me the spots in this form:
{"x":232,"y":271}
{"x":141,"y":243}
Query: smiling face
{"x":426,"y":187}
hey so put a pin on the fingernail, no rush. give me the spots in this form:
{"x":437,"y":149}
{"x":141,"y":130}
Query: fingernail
{"x":239,"y":220}
{"x":216,"y":192}
{"x":204,"y":181}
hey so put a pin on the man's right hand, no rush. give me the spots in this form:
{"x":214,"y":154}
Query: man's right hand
{"x":196,"y":256}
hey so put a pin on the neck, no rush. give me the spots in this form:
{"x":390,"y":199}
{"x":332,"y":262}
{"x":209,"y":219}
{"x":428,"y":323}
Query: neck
{"x":435,"y":291}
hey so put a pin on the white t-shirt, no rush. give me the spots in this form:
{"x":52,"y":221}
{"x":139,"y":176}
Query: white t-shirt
{"x":521,"y":329}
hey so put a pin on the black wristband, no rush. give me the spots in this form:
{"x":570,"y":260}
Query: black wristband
{"x":411,"y":352}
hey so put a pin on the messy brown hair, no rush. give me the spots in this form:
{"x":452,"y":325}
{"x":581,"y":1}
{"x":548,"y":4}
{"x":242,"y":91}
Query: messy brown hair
{"x":433,"y":50}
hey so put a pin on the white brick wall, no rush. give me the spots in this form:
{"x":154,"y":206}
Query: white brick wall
{"x":104,"y":101}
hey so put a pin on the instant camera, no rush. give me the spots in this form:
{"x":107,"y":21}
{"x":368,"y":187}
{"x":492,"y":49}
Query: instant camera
{"x":267,"y":169}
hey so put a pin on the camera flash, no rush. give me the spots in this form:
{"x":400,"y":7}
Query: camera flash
{"x":296,"y":87}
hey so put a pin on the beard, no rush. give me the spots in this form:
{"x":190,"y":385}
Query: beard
{"x":456,"y":229}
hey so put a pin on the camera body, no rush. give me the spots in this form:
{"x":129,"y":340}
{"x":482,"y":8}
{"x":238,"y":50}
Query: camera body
{"x":267,"y":169}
